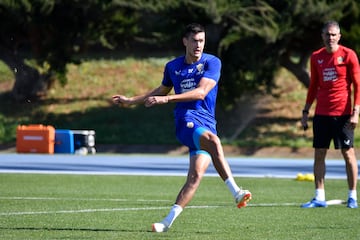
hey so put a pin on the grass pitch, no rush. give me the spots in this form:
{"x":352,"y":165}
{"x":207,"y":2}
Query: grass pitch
{"x":40,"y":206}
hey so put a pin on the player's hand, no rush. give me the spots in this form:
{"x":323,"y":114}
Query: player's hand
{"x":155,"y":100}
{"x":121,"y":100}
{"x":354,"y":120}
{"x":304,"y":121}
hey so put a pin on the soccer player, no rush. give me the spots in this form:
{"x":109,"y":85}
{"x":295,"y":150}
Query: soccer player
{"x":194,"y":78}
{"x":334,"y":71}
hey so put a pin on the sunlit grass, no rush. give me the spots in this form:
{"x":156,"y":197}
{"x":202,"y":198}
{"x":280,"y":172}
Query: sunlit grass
{"x":124,"y":207}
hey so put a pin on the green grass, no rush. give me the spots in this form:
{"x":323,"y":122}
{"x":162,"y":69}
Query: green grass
{"x":123,"y":207}
{"x":5,"y":73}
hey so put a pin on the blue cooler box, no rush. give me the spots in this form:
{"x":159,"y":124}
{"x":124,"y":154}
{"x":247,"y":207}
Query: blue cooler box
{"x":64,"y":141}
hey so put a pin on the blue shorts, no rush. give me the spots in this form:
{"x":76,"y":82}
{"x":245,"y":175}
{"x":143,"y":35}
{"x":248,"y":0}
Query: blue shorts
{"x":189,"y":131}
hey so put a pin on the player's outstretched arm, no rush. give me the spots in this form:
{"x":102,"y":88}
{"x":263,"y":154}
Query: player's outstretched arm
{"x":198,"y":93}
{"x":140,"y":99}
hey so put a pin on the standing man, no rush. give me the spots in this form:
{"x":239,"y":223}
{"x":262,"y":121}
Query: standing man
{"x":334,"y":70}
{"x":194,"y":78}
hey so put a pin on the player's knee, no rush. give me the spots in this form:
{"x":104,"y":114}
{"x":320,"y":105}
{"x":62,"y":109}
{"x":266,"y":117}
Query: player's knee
{"x":214,"y":146}
{"x":348,"y":154}
{"x":212,"y":139}
{"x":194,"y":179}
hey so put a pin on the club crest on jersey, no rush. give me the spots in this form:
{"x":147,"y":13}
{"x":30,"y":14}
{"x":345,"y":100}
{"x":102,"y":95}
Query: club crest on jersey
{"x":320,"y":61}
{"x":200,"y":67}
{"x":340,"y":59}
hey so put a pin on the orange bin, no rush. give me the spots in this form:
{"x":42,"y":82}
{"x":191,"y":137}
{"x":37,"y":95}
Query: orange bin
{"x":35,"y":139}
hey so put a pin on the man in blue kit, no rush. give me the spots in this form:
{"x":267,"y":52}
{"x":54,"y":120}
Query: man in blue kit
{"x":194,"y":78}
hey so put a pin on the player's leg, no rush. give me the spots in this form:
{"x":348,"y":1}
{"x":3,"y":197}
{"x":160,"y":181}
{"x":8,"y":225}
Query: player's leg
{"x":352,"y":175}
{"x":322,"y":136}
{"x":199,"y":162}
{"x":198,"y":165}
{"x":345,"y":141}
{"x":319,"y":173}
{"x":211,"y":143}
{"x":351,"y":167}
{"x":319,"y":170}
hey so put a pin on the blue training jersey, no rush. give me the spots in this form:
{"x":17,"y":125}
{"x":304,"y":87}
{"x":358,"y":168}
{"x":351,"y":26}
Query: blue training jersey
{"x":185,"y":77}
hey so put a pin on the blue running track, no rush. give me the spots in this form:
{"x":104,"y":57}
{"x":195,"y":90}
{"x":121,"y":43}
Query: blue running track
{"x":142,"y":164}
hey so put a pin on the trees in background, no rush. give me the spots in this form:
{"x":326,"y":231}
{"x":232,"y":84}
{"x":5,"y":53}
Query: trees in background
{"x":253,"y":38}
{"x":38,"y":38}
{"x":262,"y":36}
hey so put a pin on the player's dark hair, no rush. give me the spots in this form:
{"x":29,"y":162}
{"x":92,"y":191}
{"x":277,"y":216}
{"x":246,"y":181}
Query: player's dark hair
{"x":193,"y":28}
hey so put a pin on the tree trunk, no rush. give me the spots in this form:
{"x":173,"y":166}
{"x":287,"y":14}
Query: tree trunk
{"x":298,"y":69}
{"x":29,"y":83}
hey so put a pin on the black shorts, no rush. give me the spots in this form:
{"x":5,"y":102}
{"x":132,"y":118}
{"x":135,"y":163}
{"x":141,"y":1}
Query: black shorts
{"x":338,"y":129}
